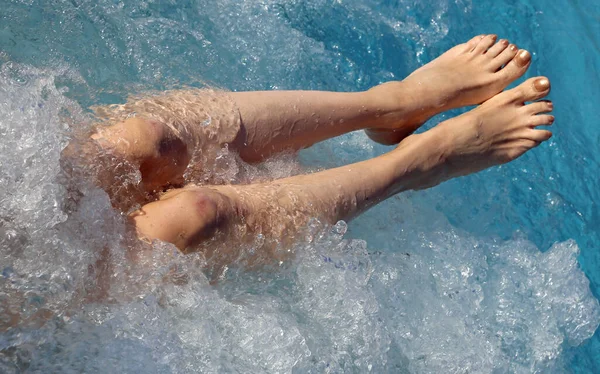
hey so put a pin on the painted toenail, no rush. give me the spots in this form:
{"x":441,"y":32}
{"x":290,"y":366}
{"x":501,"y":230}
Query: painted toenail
{"x":504,"y":42}
{"x":513,"y":47}
{"x":541,"y":84}
{"x":524,"y":58}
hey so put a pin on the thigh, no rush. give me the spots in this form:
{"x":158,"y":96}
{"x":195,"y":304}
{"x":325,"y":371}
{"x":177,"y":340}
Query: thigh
{"x":175,"y":135}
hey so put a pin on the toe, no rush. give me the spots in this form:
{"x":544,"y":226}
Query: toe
{"x":541,"y":120}
{"x":531,"y":89}
{"x":518,"y":65}
{"x":504,"y":57}
{"x":523,"y":58}
{"x":497,"y":48}
{"x":543,"y":106}
{"x":484,"y":44}
{"x":517,"y":148}
{"x":471,"y":44}
{"x":538,"y":135}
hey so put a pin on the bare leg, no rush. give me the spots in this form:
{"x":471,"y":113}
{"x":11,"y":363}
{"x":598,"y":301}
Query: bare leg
{"x":467,"y":74}
{"x":497,"y":132}
{"x":174,"y":127}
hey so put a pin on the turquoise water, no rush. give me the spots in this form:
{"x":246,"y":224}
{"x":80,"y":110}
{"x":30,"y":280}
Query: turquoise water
{"x":476,"y":275}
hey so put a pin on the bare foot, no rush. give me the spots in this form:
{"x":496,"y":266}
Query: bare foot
{"x":498,"y":131}
{"x":467,"y":74}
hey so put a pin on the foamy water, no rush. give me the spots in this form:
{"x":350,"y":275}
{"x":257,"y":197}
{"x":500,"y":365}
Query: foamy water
{"x":405,"y":290}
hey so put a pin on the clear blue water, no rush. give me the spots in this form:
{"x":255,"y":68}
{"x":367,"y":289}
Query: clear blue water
{"x":491,"y":283}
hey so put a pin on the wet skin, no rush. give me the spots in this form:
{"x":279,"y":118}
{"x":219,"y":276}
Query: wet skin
{"x":465,"y":75}
{"x":215,"y":219}
{"x":270,"y":122}
{"x":499,"y":130}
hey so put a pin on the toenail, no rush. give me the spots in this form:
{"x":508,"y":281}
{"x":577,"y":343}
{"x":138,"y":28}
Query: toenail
{"x":524,"y":58}
{"x":541,"y":84}
{"x":551,"y":119}
{"x":513,"y":47}
{"x":504,"y":42}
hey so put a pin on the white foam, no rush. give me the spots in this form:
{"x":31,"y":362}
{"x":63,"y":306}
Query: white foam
{"x":433,"y":301}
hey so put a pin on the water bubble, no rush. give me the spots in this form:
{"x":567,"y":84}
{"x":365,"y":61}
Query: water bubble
{"x":340,"y":228}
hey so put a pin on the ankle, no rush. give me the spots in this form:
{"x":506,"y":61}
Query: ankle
{"x":403,"y":109}
{"x":391,"y":101}
{"x":422,"y":159}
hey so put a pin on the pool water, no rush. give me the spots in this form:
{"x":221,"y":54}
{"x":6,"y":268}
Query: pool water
{"x":496,"y":272}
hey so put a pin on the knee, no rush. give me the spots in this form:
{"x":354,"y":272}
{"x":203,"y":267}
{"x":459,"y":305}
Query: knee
{"x":159,"y":153}
{"x":185,"y":218}
{"x":199,"y":204}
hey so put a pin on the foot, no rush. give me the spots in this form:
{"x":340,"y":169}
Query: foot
{"x":500,"y":130}
{"x":467,"y":74}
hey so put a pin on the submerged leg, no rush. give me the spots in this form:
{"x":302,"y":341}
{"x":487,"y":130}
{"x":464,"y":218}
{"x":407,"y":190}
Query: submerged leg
{"x":500,"y":130}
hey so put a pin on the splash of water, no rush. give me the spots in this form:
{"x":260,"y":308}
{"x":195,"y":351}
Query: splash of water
{"x":428,"y":300}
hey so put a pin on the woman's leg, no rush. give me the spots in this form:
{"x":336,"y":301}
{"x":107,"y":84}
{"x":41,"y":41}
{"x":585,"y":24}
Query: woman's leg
{"x":468,"y":74}
{"x":173,"y":127}
{"x":500,"y":130}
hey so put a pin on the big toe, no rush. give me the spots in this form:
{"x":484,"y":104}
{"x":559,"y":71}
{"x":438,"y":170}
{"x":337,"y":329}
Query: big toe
{"x":531,"y":89}
{"x":522,"y":59}
{"x":517,"y":66}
